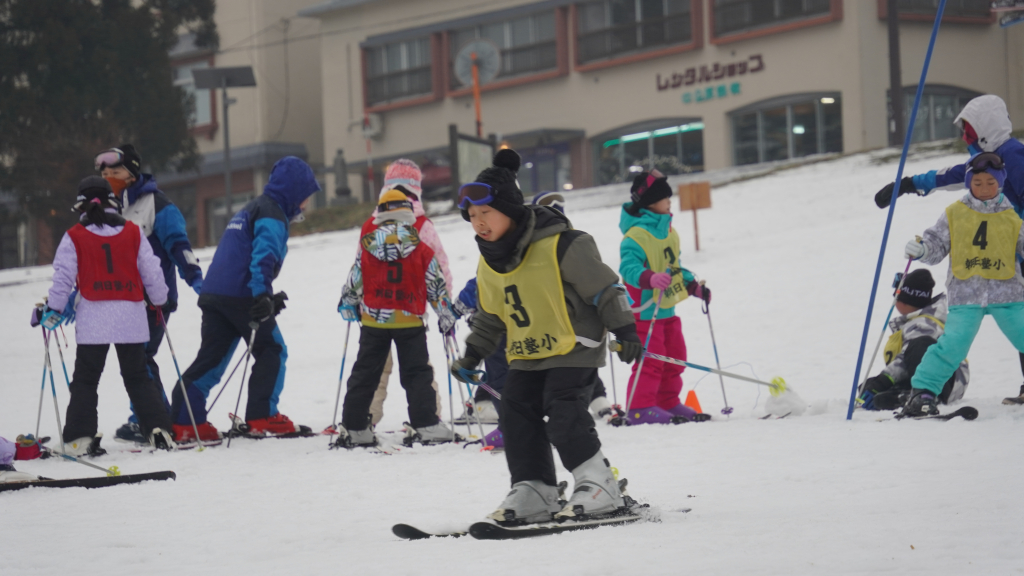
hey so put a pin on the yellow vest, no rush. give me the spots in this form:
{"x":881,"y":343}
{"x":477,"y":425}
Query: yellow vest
{"x":982,"y":244}
{"x":530,"y":300}
{"x":661,"y":255}
{"x":894,"y":345}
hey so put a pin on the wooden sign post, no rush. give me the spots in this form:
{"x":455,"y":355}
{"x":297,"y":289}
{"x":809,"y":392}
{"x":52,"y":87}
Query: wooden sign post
{"x":695,"y":196}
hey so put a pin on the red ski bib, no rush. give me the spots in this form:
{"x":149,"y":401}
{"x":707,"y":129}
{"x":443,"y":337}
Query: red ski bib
{"x":399,"y":284}
{"x":108,"y":266}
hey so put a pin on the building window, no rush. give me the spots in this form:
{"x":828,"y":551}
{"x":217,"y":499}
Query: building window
{"x":610,"y":28}
{"x":673,"y":149}
{"x":954,"y":8}
{"x":202,"y":100}
{"x":398,"y":70}
{"x":544,"y":169}
{"x":787,"y":127}
{"x":527,"y":44}
{"x":732,"y":16}
{"x":940,"y":105}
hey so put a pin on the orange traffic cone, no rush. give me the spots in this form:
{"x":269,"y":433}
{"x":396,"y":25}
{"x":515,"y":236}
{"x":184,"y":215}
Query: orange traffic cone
{"x":692,"y":402}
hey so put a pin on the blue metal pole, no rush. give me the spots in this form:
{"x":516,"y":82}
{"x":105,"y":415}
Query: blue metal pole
{"x":892,"y":203}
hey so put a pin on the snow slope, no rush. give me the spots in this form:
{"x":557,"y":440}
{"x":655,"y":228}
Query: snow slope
{"x":790,"y":259}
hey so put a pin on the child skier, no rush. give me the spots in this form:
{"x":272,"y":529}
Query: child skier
{"x":919,"y":325}
{"x":982,"y":235}
{"x":164,"y":227}
{"x":649,"y":266}
{"x":25,"y":449}
{"x":543,"y":287}
{"x":387,"y":291}
{"x":112,"y":263}
{"x":238,"y":293}
{"x":405,"y":176}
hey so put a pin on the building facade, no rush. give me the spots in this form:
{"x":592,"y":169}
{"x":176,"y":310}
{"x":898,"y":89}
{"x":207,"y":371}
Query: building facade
{"x":587,"y":89}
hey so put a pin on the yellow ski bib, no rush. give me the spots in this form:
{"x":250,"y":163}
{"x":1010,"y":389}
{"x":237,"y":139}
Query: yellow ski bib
{"x":982,"y":244}
{"x":530,"y":301}
{"x":894,"y":345}
{"x":661,"y":255}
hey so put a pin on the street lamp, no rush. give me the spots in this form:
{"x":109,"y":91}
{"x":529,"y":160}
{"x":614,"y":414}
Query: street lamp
{"x":224,"y":78}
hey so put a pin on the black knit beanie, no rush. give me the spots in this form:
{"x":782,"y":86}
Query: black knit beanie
{"x":648,"y":188}
{"x":132,"y":160}
{"x":917,"y":289}
{"x":501,"y":177}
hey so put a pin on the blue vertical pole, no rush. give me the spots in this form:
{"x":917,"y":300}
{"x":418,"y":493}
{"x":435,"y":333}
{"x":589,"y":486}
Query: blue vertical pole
{"x":892,"y":203}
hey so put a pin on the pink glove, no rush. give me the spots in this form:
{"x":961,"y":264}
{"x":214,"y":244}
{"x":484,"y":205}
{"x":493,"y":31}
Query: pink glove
{"x":660,"y":280}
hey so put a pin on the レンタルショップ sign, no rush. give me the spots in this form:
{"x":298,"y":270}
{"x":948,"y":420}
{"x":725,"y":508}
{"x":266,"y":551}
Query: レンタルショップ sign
{"x":711,"y":73}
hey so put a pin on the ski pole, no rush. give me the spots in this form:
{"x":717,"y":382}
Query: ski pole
{"x":462,"y":394}
{"x":53,"y":388}
{"x":867,"y":369}
{"x":778,"y":385}
{"x":341,"y":377}
{"x":650,"y":332}
{"x":472,"y":400}
{"x":181,"y":381}
{"x":112,"y":471}
{"x":226,"y":382}
{"x":252,"y":340}
{"x":451,"y":400}
{"x":611,"y":368}
{"x":42,"y":389}
{"x":61,"y":352}
{"x":707,"y":312}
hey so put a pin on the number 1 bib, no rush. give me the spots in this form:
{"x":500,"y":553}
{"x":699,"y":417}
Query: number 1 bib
{"x":982,"y":244}
{"x":530,"y":301}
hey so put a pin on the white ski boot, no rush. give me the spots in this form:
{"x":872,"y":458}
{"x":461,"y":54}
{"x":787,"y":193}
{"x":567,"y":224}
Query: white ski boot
{"x":484,"y":410}
{"x":364,"y":438}
{"x":529,"y":502}
{"x":9,"y":474}
{"x":437,"y":434}
{"x":162,"y":440}
{"x":601,"y":408}
{"x":595,"y":492}
{"x":1012,"y":400}
{"x":84,"y":446}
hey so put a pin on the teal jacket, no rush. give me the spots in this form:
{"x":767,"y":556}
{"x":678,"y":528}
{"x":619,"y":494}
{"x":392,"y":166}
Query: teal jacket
{"x":633,"y":261}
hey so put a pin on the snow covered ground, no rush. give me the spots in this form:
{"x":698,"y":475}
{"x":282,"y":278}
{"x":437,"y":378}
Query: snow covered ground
{"x":789,"y":258}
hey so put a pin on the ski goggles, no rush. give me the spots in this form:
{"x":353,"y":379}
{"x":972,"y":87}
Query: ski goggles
{"x":986,"y":160}
{"x":109,"y":159}
{"x":476,"y":193}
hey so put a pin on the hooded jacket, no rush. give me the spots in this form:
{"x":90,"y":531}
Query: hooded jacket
{"x":254,"y":245}
{"x":164,"y":226}
{"x":594,"y":299}
{"x":974,"y":290}
{"x":391,"y":242}
{"x":633,"y":260}
{"x":988,"y":115}
{"x":428,"y":235}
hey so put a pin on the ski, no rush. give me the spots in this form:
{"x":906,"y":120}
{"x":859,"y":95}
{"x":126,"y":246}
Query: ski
{"x":491,"y":531}
{"x":966,"y":412}
{"x":239,"y":429}
{"x":96,"y":482}
{"x":136,"y":448}
{"x":407,"y":532}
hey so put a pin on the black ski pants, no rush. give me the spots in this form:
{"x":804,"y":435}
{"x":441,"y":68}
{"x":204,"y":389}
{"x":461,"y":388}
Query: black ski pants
{"x":414,"y":373}
{"x":225,"y":323}
{"x":562,"y":395}
{"x":142,"y":390}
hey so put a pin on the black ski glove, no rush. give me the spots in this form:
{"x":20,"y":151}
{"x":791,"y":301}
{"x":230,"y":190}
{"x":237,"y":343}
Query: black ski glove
{"x":630,"y":349}
{"x":876,"y":384}
{"x":462,"y":367}
{"x":279,"y":299}
{"x":884,"y":196}
{"x":262,"y":308}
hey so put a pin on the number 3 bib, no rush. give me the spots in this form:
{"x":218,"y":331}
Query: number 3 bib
{"x":982,"y":244}
{"x":530,"y":301}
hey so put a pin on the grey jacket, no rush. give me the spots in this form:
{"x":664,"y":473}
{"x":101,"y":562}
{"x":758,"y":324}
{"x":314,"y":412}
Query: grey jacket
{"x":596,"y":302}
{"x":974,"y":290}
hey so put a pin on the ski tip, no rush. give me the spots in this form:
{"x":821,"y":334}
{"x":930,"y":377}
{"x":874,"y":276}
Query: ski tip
{"x":968,"y":412}
{"x":487,"y":531}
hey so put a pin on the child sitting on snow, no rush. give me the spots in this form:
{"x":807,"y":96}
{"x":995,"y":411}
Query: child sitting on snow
{"x":25,"y":449}
{"x":982,"y":235}
{"x":920,"y":324}
{"x":649,"y":266}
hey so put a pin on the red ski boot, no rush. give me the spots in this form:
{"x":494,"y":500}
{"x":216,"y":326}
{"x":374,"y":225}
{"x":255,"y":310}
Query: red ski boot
{"x":183,"y":433}
{"x":274,"y":426}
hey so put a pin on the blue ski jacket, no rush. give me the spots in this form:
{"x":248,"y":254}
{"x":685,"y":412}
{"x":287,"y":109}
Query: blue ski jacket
{"x":164,"y":227}
{"x":254,"y":245}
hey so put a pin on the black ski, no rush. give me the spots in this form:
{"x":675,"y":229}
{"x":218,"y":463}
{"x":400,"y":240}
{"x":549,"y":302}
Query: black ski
{"x":408,"y":532}
{"x":96,"y":482}
{"x":966,"y":412}
{"x":491,"y":531}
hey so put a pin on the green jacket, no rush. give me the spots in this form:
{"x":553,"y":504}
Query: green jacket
{"x":633,"y":260}
{"x":594,"y":299}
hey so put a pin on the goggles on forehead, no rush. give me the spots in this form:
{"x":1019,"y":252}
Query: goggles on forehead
{"x":109,"y":159}
{"x":986,"y":160}
{"x":476,"y":193}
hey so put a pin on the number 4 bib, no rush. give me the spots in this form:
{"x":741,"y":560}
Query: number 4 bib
{"x":982,"y":244}
{"x":530,"y":301}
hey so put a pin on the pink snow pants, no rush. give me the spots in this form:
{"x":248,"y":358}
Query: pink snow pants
{"x":660,"y":382}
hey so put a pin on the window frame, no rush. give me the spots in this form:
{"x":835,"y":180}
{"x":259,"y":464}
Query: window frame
{"x":835,"y":15}
{"x":436,"y":77}
{"x":209,"y":129}
{"x":963,"y":95}
{"x":696,"y":42}
{"x":883,"y":14}
{"x":787,"y":101}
